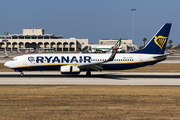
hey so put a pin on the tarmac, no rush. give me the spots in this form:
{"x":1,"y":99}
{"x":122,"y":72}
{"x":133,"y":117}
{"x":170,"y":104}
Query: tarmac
{"x":97,"y":78}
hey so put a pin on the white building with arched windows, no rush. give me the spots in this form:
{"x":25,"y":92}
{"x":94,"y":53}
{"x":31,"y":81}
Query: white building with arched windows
{"x":36,"y":40}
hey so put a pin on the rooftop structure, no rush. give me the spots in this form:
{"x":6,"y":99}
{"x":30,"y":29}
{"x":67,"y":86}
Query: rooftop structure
{"x":33,"y":31}
{"x":33,"y":34}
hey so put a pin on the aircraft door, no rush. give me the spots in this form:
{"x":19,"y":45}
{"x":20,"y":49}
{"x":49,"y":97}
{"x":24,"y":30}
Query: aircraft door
{"x":25,"y":60}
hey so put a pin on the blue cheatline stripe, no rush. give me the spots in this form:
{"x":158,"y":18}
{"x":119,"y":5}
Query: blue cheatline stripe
{"x":105,"y":66}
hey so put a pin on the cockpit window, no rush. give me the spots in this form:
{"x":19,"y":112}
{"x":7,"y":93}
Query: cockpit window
{"x":13,"y":59}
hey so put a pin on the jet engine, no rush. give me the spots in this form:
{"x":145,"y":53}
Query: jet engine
{"x":69,"y":69}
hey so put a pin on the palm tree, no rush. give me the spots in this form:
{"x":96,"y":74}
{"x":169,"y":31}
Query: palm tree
{"x":144,"y":40}
{"x":170,"y":42}
{"x":179,"y":46}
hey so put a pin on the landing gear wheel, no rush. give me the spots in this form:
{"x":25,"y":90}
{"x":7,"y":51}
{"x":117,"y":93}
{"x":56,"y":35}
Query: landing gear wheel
{"x":21,"y":74}
{"x":88,"y":73}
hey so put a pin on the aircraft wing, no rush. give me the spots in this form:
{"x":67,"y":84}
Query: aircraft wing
{"x":91,"y":66}
{"x":97,"y":65}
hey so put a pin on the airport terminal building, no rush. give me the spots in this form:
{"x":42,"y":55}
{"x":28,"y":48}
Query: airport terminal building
{"x":126,"y":44}
{"x":34,"y":40}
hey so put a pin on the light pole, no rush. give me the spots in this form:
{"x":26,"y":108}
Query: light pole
{"x":133,"y":23}
{"x":5,"y":49}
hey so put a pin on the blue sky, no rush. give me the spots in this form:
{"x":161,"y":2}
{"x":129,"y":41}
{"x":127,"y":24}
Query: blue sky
{"x":92,"y":19}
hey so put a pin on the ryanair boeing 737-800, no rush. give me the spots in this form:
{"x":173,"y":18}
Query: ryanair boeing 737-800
{"x":152,"y":53}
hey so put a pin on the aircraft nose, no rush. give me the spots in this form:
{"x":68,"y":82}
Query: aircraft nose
{"x":7,"y":64}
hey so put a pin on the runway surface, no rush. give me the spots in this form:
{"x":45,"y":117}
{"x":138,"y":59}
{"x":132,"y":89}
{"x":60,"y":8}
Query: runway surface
{"x":97,"y":78}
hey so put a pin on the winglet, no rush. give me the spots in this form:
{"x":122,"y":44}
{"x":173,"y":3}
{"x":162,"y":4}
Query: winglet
{"x":111,"y":58}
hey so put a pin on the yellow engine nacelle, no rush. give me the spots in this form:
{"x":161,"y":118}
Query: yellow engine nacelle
{"x":69,"y":69}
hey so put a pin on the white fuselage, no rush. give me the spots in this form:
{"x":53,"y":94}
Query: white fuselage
{"x":42,"y":62}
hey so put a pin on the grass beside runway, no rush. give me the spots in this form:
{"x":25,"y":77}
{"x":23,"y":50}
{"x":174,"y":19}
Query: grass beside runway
{"x":160,"y":67}
{"x":89,"y":102}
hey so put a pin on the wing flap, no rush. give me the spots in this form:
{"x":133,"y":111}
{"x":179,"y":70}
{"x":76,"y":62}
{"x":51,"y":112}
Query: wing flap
{"x":91,"y":66}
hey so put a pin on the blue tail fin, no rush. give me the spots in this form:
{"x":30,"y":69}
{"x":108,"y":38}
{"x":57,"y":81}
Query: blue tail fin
{"x":158,"y":43}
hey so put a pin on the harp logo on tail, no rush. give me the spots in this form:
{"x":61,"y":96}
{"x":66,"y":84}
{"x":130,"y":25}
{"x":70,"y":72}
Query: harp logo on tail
{"x":160,"y":41}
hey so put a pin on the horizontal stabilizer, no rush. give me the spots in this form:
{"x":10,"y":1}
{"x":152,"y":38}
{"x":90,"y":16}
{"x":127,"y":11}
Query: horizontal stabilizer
{"x":162,"y":56}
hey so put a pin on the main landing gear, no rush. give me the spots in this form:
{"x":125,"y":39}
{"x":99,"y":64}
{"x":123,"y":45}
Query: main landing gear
{"x":21,"y":74}
{"x":88,"y":73}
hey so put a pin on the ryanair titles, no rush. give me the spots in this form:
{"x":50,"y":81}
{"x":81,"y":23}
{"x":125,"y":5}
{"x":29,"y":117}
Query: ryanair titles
{"x":60,"y":59}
